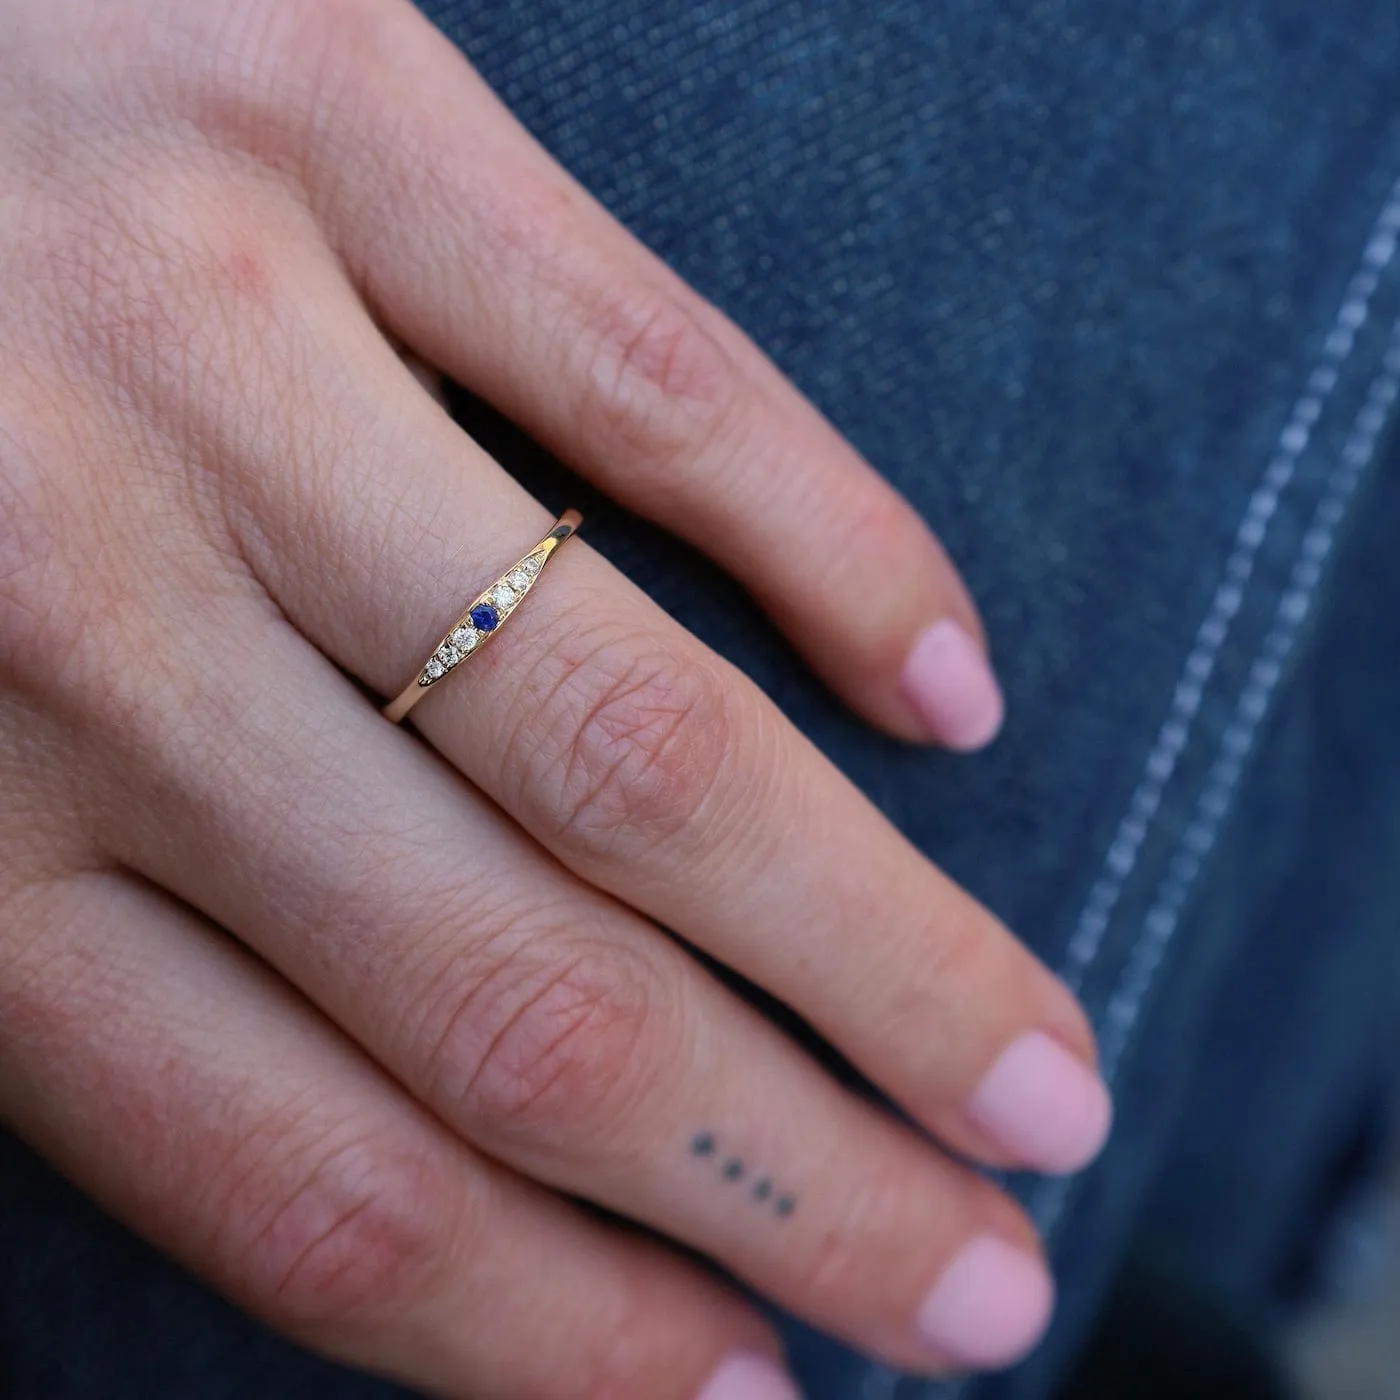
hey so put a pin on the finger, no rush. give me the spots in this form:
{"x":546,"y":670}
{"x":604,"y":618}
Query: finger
{"x":548,"y":1025}
{"x":188,"y":1090}
{"x":645,"y":763}
{"x":282,"y":463}
{"x":486,"y":257}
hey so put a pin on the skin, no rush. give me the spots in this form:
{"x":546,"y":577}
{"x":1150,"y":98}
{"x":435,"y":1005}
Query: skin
{"x":232,"y":518}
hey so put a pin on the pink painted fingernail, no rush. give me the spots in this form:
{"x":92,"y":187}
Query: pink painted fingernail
{"x":1044,"y":1105}
{"x":950,"y":683}
{"x":749,"y":1376}
{"x":991,"y":1306}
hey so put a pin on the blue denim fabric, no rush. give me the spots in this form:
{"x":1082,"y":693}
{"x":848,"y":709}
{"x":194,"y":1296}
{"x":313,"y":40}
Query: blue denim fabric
{"x":1112,"y":295}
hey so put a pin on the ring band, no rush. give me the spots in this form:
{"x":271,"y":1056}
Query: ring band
{"x":483,"y":617}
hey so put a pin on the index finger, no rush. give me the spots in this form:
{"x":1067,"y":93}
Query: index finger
{"x":485,"y":256}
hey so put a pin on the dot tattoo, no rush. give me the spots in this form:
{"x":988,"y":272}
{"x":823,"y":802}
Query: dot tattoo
{"x":705,"y":1145}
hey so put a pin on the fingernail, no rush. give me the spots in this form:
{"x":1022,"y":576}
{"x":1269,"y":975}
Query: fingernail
{"x":949,"y":682}
{"x":749,"y":1376}
{"x":990,"y":1307}
{"x":1044,"y":1105}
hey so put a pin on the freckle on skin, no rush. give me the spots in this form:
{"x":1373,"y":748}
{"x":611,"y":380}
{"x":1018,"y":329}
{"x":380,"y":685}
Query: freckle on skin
{"x":733,"y":1169}
{"x":702,"y":1144}
{"x":785,"y":1206}
{"x":248,"y":276}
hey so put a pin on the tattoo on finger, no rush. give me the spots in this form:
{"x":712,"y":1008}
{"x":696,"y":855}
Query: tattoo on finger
{"x":705,"y":1146}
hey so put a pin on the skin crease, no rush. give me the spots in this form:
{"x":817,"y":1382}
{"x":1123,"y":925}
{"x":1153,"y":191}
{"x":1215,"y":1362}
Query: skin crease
{"x":230,"y":515}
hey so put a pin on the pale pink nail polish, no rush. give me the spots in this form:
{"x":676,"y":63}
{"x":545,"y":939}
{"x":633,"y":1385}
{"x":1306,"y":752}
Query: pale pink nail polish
{"x":749,"y":1376}
{"x":950,"y":683}
{"x":990,"y":1307}
{"x":1044,"y":1105}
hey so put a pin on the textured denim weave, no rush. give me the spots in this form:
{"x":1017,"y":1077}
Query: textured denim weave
{"x":1110,"y":299}
{"x":1110,"y":293}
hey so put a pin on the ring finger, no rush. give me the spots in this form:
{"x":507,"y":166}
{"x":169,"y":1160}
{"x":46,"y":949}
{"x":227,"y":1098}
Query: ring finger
{"x":548,"y":1024}
{"x":648,"y":765}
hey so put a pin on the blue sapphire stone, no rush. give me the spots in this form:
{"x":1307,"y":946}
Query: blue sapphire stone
{"x":485,"y":617}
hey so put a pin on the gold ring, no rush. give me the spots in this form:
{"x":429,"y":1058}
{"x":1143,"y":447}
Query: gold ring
{"x":483,"y":617}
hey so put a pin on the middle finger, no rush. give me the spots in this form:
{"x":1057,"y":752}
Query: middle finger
{"x":650,"y":766}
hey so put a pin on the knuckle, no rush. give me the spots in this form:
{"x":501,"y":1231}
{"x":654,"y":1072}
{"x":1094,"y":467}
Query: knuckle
{"x":32,"y":629}
{"x":870,"y":1225}
{"x":168,"y":326}
{"x":157,"y":303}
{"x":623,"y":753}
{"x":57,"y":615}
{"x":361,"y":1229}
{"x":158,"y":269}
{"x":548,"y":1041}
{"x":307,"y":78}
{"x":248,"y":74}
{"x":85,"y":541}
{"x":966,"y":948}
{"x":657,"y":381}
{"x":631,"y":1352}
{"x":45,"y":988}
{"x":870,"y":526}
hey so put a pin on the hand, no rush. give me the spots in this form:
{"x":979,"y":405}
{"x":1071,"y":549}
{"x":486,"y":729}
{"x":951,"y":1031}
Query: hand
{"x":229,"y":511}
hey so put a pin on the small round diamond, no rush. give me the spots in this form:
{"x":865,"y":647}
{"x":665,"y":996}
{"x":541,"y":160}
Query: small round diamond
{"x":449,"y":654}
{"x":434,"y":668}
{"x":464,"y":639}
{"x":518,"y":580}
{"x":532,"y":565}
{"x":503,"y":595}
{"x":485,"y":618}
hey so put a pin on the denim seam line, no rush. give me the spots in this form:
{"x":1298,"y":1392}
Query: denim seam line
{"x":1195,"y":844}
{"x":1145,"y":804}
{"x":1146,"y":956}
{"x":1121,"y":1012}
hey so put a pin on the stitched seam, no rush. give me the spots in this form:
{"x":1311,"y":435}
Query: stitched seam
{"x":1149,"y":951}
{"x":1144,"y":806}
{"x":1196,"y":842}
{"x":1146,"y":956}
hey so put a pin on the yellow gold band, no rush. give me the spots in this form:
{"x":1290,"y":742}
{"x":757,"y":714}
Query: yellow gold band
{"x":483,"y":617}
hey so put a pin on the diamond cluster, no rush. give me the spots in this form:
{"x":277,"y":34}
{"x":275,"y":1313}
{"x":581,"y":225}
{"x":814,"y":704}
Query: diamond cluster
{"x":482,"y":618}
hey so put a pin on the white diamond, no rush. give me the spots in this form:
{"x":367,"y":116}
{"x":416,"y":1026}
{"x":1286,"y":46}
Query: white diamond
{"x":503,"y":595}
{"x":449,"y":654}
{"x":518,"y":580}
{"x":532,"y":565}
{"x":435,"y":668}
{"x":464,"y":639}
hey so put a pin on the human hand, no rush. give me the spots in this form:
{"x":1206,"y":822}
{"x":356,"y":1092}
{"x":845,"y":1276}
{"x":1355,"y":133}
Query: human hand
{"x":228,"y":510}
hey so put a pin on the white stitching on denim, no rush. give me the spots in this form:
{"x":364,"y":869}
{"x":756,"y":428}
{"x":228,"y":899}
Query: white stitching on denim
{"x":1052,"y":1193}
{"x":1144,"y":805}
{"x":1197,"y":840}
{"x":1146,"y":956}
